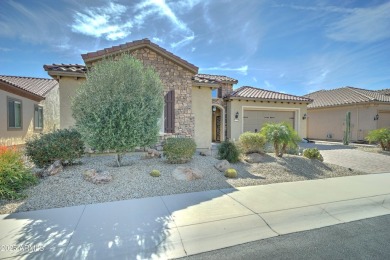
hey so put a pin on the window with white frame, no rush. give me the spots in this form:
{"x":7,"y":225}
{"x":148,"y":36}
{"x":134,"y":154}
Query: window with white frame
{"x":38,"y":117}
{"x":14,"y":113}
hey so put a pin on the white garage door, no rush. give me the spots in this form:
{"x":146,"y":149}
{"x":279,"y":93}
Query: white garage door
{"x":254,"y":119}
{"x":384,"y":119}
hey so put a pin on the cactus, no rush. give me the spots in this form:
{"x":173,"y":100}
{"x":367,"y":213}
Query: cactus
{"x":155,"y":173}
{"x":231,"y":173}
{"x":347,"y":132}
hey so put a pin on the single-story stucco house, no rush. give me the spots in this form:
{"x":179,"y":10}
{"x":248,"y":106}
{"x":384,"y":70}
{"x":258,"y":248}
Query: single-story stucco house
{"x":201,"y":106}
{"x":326,"y":115}
{"x":28,"y":106}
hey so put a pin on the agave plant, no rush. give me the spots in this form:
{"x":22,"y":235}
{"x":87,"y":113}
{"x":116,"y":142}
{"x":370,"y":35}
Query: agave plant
{"x":281,"y":135}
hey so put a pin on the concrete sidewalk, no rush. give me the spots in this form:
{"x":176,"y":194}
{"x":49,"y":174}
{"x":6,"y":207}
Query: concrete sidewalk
{"x":185,"y":224}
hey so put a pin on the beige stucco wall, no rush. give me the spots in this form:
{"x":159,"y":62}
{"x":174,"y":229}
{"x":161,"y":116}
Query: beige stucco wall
{"x":19,"y":136}
{"x":201,"y":107}
{"x":67,"y":90}
{"x":235,"y":128}
{"x":325,"y":121}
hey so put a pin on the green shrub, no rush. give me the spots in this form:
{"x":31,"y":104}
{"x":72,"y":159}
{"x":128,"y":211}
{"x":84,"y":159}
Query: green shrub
{"x":252,"y":142}
{"x":179,"y":150}
{"x":228,"y":151}
{"x":14,"y":175}
{"x":382,"y":136}
{"x":231,"y":173}
{"x":155,"y":173}
{"x":63,"y":145}
{"x":313,"y":153}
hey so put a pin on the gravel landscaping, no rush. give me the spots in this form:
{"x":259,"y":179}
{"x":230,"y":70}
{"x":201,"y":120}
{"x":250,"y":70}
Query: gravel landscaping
{"x":68,"y":188}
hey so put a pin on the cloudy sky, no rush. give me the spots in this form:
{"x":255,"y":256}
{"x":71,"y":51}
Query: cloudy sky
{"x":289,"y":46}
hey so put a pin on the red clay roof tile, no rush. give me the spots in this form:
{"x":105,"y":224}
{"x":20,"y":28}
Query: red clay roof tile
{"x":36,"y":86}
{"x":257,"y":93}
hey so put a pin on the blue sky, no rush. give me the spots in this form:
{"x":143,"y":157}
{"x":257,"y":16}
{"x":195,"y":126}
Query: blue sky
{"x":289,"y":46}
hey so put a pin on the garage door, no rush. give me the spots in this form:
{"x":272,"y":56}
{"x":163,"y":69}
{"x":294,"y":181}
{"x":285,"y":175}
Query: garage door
{"x":254,"y":119}
{"x":384,"y":119}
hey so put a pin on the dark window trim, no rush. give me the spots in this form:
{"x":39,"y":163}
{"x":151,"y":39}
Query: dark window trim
{"x":39,"y":128}
{"x":21,"y":114}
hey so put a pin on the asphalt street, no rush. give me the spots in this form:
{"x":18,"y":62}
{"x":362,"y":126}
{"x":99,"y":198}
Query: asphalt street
{"x":363,"y":239}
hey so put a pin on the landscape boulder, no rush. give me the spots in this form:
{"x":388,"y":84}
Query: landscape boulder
{"x":187,"y":173}
{"x":53,"y":169}
{"x":254,"y":158}
{"x":152,"y":153}
{"x":96,"y":177}
{"x":222,"y":166}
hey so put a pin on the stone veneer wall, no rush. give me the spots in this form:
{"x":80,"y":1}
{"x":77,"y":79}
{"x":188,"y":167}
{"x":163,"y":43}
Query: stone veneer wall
{"x":173,"y":77}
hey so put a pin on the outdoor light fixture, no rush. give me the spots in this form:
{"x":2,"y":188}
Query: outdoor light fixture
{"x":236,"y":117}
{"x":376,"y":117}
{"x":304,"y":117}
{"x":214,"y":109}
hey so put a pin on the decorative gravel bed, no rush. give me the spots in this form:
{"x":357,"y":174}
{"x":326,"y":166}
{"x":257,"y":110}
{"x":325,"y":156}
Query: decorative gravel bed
{"x":133,"y":181}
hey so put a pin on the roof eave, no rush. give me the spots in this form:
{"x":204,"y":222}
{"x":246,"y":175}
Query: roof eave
{"x":268,"y":99}
{"x":55,"y":74}
{"x":209,"y":85}
{"x":20,"y":92}
{"x":351,"y":104}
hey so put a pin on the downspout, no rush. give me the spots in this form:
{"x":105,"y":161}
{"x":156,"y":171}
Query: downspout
{"x":357,"y":123}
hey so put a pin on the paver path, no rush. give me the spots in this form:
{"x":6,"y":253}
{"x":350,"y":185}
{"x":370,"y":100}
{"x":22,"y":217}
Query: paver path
{"x":350,"y":157}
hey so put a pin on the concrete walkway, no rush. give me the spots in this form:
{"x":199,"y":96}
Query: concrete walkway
{"x":350,"y":157}
{"x":185,"y":224}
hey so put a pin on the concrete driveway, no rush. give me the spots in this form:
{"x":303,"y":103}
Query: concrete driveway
{"x":351,"y":157}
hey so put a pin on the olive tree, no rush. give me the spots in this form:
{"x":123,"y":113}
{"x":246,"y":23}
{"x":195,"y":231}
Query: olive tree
{"x":119,"y":106}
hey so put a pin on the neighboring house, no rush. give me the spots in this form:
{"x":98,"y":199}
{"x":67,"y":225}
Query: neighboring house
{"x":326,"y":115}
{"x":28,"y":106}
{"x":201,"y":106}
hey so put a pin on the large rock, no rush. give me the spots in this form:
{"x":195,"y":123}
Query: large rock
{"x":97,"y":177}
{"x":254,"y":158}
{"x":53,"y":169}
{"x":187,"y":174}
{"x":222,"y":166}
{"x":152,"y":153}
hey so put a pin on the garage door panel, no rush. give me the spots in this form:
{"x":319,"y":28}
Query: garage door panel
{"x":255,"y":119}
{"x":384,"y":119}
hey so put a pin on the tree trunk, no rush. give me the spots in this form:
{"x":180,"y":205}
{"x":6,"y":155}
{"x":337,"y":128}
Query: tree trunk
{"x":284,"y":147}
{"x":118,"y":159}
{"x":276,"y":148}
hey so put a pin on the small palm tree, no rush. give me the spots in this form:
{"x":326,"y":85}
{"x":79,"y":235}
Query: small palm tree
{"x":382,"y":136}
{"x":281,"y":135}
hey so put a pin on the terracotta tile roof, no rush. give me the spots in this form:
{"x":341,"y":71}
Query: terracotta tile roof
{"x":345,"y":96}
{"x":257,"y":93}
{"x":36,"y":86}
{"x":207,"y":78}
{"x":74,"y":68}
{"x":385,"y":91}
{"x":134,"y":45}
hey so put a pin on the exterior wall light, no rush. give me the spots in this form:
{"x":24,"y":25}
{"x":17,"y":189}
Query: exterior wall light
{"x":214,"y":109}
{"x":236,"y":116}
{"x":304,"y":117}
{"x":376,"y":117}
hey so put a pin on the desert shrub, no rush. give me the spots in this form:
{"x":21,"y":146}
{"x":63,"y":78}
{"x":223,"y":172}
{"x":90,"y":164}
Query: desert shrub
{"x":119,"y":106}
{"x":382,"y":136}
{"x":63,"y":145}
{"x":179,"y":150}
{"x":14,"y":175}
{"x":155,"y":173}
{"x":251,"y":142}
{"x":281,"y":136}
{"x":228,"y":151}
{"x":313,"y":153}
{"x":231,"y":173}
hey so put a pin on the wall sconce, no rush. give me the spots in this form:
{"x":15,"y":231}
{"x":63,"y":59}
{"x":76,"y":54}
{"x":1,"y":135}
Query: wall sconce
{"x":304,"y":117}
{"x":236,"y":116}
{"x":214,"y":109}
{"x":376,"y":117}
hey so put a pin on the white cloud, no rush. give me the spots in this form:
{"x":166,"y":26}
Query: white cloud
{"x":243,"y":70}
{"x":193,"y":49}
{"x":363,"y":25}
{"x":5,"y":49}
{"x":319,"y":79}
{"x":268,"y":84}
{"x":103,"y":22}
{"x":254,"y":79}
{"x":183,"y":42}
